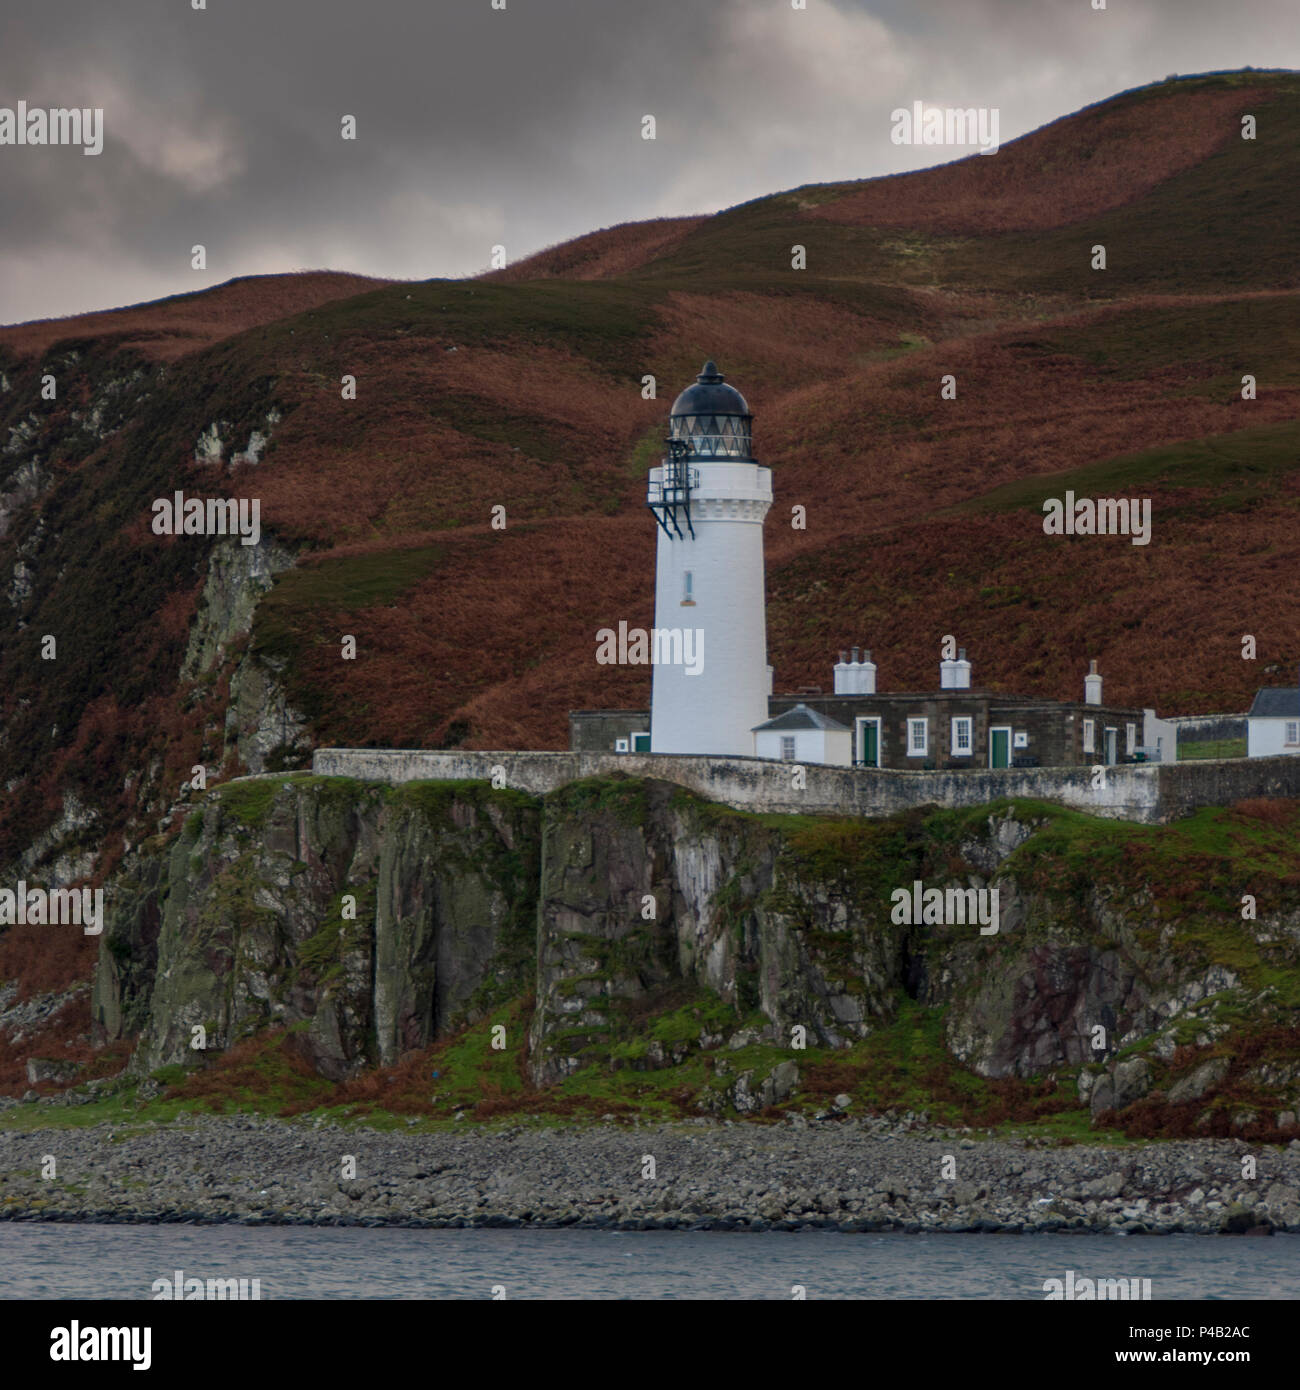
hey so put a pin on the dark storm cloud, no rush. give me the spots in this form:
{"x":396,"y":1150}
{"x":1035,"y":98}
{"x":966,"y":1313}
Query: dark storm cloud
{"x":521,"y":127}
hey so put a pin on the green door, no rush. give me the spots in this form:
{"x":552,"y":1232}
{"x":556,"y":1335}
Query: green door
{"x":1000,"y":748}
{"x":870,"y":754}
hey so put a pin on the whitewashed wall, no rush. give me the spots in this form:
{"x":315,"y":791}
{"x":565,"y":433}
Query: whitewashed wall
{"x":715,"y":711}
{"x":1266,"y":738}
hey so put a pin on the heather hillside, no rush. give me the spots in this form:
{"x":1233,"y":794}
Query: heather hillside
{"x":172,"y":327}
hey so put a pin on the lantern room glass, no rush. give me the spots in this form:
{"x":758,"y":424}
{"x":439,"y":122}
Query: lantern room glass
{"x":714,"y":436}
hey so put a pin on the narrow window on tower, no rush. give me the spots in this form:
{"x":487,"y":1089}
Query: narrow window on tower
{"x":688,"y":590}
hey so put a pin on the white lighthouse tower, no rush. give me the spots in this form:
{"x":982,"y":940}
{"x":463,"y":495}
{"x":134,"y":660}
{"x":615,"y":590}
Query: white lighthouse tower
{"x":709,"y":498}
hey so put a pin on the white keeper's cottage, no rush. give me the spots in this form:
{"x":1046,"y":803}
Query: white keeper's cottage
{"x":1273,"y":724}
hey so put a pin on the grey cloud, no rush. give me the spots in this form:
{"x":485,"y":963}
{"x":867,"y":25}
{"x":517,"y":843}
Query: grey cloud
{"x":523,"y":126}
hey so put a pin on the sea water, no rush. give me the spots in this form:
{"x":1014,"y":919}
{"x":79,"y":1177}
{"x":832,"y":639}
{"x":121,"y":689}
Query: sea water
{"x":54,"y":1260}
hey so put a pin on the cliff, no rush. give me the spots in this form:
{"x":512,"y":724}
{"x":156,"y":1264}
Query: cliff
{"x":623,"y":946}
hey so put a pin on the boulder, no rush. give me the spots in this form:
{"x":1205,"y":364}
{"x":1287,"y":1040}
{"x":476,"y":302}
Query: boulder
{"x":1105,"y":1188}
{"x":781,"y":1083}
{"x":1196,"y":1083}
{"x":1130,"y":1081}
{"x":48,"y":1069}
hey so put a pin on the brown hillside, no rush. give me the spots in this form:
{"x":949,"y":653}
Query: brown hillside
{"x":168,"y":328}
{"x":1074,"y":168}
{"x":600,"y":255}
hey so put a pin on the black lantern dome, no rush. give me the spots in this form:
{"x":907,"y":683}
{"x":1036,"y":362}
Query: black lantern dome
{"x":711,"y":418}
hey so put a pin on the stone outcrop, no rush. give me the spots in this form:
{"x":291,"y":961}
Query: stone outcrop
{"x":263,"y":731}
{"x":238,"y":576}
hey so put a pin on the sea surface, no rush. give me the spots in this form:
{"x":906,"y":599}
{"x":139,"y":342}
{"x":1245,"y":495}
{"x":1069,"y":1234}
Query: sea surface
{"x":50,"y":1260}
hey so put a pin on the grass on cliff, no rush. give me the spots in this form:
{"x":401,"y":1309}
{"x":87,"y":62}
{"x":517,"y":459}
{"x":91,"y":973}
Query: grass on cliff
{"x":436,"y":799}
{"x":620,"y":796}
{"x":903,"y":1066}
{"x":1212,"y":856}
{"x":249,"y":800}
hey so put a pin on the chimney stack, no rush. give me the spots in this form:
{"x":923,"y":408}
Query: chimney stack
{"x":1092,"y":686}
{"x":961,"y":671}
{"x":955,"y":674}
{"x":855,"y":677}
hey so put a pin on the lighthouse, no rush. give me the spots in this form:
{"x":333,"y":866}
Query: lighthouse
{"x":709,"y":498}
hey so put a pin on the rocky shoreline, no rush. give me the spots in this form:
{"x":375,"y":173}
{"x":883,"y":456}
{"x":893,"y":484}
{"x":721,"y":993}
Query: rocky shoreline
{"x":851,"y":1175}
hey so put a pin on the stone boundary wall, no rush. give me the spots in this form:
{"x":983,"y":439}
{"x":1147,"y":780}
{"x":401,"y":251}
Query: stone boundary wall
{"x":1148,"y":792}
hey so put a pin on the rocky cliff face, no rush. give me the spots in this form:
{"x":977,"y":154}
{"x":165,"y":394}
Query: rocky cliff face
{"x":645,"y":888}
{"x":366,"y":922}
{"x":262,"y":729}
{"x":371,"y":921}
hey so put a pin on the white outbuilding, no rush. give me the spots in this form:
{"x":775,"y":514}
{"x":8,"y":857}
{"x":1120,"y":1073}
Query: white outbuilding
{"x":1273,"y":724}
{"x":803,"y":735}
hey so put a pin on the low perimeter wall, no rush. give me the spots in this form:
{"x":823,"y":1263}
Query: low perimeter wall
{"x":1134,"y":791}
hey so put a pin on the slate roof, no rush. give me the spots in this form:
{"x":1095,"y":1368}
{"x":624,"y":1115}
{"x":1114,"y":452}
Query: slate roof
{"x":1276,"y":702}
{"x":801,"y":717}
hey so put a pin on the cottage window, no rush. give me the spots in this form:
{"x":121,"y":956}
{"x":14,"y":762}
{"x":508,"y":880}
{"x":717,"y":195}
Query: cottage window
{"x":1292,"y":732}
{"x":962,"y":736}
{"x":918,"y":737}
{"x":1089,"y":735}
{"x":1131,"y":735}
{"x":787,"y":748}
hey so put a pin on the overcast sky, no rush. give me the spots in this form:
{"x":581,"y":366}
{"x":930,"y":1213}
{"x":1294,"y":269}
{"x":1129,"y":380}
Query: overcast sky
{"x":521,"y":127}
